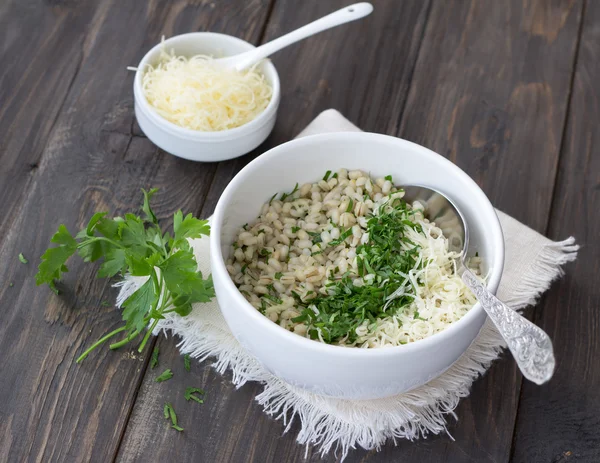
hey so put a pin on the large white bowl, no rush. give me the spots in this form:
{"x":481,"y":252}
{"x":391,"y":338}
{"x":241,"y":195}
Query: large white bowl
{"x":333,"y":370}
{"x":193,"y":144}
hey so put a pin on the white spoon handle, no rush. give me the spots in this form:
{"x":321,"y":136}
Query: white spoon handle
{"x":346,"y":14}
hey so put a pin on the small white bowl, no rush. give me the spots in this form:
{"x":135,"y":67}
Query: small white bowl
{"x":193,"y":144}
{"x":336,"y":371}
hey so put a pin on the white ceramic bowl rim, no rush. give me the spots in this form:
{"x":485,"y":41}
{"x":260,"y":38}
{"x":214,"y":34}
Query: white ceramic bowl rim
{"x":254,"y":124}
{"x":437,"y":338}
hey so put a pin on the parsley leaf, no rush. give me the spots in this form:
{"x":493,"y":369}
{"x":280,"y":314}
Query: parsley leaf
{"x":138,"y":247}
{"x":138,"y":305}
{"x":150,"y":216}
{"x":22,"y":258}
{"x":54,"y":259}
{"x":164,"y":376}
{"x":188,"y":227}
{"x":186,"y":362}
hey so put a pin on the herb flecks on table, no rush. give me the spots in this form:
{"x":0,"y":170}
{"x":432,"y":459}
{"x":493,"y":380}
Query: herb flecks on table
{"x":154,"y":359}
{"x":136,"y":246}
{"x":190,"y":394}
{"x":169,"y":413}
{"x":164,"y":376}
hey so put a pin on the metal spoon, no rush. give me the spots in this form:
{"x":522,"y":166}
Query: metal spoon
{"x":530,"y":345}
{"x":247,"y":59}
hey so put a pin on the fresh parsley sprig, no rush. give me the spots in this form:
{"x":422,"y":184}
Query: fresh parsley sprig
{"x":136,"y":246}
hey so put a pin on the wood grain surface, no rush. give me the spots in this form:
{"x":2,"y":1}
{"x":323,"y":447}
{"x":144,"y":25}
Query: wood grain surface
{"x":507,"y":90}
{"x":54,"y":410}
{"x":560,"y":421}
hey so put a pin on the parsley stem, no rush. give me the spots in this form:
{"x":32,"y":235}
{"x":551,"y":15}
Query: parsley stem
{"x":99,"y":238}
{"x":122,"y":342}
{"x":98,"y":342}
{"x":147,"y":336}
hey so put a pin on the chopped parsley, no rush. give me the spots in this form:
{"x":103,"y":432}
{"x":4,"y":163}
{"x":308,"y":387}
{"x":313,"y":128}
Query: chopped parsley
{"x":169,"y":413}
{"x":287,"y":195}
{"x":337,"y":314}
{"x":350,"y":205}
{"x":22,"y":258}
{"x":164,"y":376}
{"x":327,"y":174}
{"x":154,"y":359}
{"x":190,"y":394}
{"x":187,"y":364}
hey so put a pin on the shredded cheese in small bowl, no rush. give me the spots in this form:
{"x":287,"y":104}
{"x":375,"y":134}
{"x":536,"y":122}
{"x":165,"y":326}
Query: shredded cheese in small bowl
{"x":197,"y":94}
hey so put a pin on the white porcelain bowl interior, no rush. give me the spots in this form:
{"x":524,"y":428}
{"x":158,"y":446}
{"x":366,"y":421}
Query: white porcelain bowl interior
{"x":193,"y":144}
{"x":336,"y":371}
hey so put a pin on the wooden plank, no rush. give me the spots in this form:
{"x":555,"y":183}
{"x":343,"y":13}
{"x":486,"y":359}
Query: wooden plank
{"x":368,"y":82}
{"x":43,"y":44}
{"x":53,"y":410}
{"x":490,"y":92}
{"x":560,"y":421}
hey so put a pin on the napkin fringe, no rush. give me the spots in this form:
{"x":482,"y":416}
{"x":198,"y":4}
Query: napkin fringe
{"x":543,"y":271}
{"x":410,"y":416}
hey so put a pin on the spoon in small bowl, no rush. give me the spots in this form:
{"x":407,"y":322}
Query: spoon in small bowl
{"x":530,"y":345}
{"x":247,"y":59}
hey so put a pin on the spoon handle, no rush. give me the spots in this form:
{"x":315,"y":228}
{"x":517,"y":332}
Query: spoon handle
{"x":346,"y":14}
{"x":530,"y":345}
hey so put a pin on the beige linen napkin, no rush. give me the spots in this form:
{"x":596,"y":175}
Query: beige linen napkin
{"x":532,"y":262}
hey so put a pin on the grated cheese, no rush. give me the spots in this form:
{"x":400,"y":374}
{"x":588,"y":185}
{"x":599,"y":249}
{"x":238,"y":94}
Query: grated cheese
{"x":440,"y":296}
{"x":196,"y":94}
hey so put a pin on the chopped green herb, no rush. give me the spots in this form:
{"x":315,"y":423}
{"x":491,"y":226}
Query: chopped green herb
{"x":272,"y":198}
{"x":316,"y":237}
{"x":165,"y":376}
{"x":186,"y":362}
{"x":244,"y":267}
{"x":169,"y":413}
{"x":154,"y":359}
{"x":295,"y":229}
{"x":337,"y":314}
{"x":287,"y":195}
{"x":245,"y":226}
{"x":11,"y":284}
{"x":389,"y":177}
{"x":316,"y":253}
{"x":327,"y":174}
{"x":22,"y":258}
{"x":278,"y":275}
{"x":334,"y":175}
{"x":105,"y":304}
{"x":260,"y":231}
{"x":350,"y":205}
{"x":342,"y":237}
{"x":264,"y":253}
{"x":190,"y":394}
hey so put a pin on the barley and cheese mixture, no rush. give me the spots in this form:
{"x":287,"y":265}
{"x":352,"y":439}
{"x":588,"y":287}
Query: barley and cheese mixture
{"x":345,"y":260}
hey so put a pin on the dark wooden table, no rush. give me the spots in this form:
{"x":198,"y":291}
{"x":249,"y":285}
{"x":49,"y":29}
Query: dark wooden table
{"x":508,"y":90}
